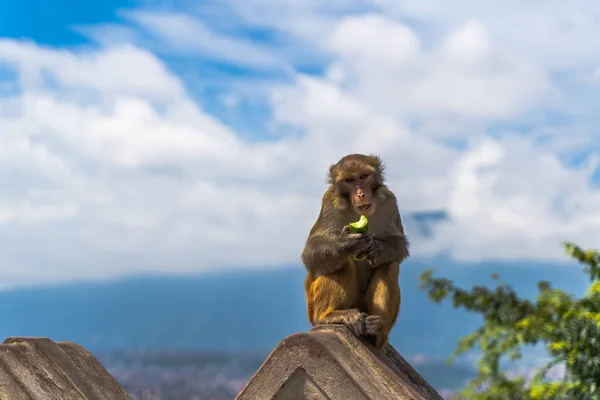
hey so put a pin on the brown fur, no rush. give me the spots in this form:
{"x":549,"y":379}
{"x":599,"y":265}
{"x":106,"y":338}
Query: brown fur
{"x":363,"y":295}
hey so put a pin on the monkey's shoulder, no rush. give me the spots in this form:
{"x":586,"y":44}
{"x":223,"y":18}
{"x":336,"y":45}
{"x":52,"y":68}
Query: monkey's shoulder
{"x":379,"y":223}
{"x":385,"y":218}
{"x":385,"y":195}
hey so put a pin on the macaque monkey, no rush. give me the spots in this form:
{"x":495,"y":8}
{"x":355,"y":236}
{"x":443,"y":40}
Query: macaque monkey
{"x":363,"y":295}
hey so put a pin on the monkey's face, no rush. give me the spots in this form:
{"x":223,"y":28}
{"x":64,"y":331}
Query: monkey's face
{"x":359,"y":188}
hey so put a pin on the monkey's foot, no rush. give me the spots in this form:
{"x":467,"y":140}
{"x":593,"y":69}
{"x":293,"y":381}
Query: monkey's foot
{"x":375,"y":330}
{"x":355,"y":321}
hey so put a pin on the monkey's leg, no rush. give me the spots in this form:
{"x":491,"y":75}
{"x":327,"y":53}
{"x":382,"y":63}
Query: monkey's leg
{"x":333,"y":299}
{"x":383,"y":302}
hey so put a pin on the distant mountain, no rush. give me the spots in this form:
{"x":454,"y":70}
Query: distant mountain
{"x":239,"y":310}
{"x":187,"y":374}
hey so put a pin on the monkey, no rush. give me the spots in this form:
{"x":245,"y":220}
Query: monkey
{"x":362,"y":295}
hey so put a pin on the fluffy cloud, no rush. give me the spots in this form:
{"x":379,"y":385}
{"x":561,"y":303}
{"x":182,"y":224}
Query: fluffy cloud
{"x":110,"y":166}
{"x":554,"y":33}
{"x":187,"y":34}
{"x":383,"y":62}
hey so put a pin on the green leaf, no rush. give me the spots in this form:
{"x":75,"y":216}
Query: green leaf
{"x":567,"y":326}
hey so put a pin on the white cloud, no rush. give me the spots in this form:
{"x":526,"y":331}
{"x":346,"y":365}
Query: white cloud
{"x":376,"y":39}
{"x":136,"y":178}
{"x":109,"y":34}
{"x":184,"y":33}
{"x":384,"y":63}
{"x":509,"y":199}
{"x":115,"y":70}
{"x":554,"y":33}
{"x":110,"y":167}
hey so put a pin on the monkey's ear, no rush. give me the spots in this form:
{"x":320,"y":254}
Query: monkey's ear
{"x":334,"y":171}
{"x":376,"y":163}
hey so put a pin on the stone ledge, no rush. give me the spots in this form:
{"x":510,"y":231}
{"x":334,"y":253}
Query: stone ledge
{"x":41,"y":369}
{"x":330,"y":363}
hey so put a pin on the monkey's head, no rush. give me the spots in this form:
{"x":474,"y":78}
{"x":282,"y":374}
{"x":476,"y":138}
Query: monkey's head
{"x":355,"y":179}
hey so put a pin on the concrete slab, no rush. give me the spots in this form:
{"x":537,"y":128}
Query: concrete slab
{"x":41,"y":369}
{"x":330,"y":363}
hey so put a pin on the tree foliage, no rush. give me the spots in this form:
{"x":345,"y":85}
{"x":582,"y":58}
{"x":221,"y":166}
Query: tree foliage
{"x":568,"y":327}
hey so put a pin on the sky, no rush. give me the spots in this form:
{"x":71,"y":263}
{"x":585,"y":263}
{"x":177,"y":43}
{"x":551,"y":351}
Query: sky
{"x":177,"y":136}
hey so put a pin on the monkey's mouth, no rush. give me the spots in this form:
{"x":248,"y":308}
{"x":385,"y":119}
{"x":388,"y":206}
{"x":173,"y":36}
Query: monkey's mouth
{"x":364,"y":207}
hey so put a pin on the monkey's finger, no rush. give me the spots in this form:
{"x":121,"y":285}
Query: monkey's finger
{"x":361,"y":236}
{"x":375,"y":247}
{"x":374,"y":325}
{"x":359,"y":241}
{"x":361,"y":255}
{"x":362,"y":246}
{"x":368,"y":242}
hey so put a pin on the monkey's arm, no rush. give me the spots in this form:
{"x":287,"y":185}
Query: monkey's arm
{"x":323,"y":254}
{"x":327,"y":251}
{"x":391,"y":245}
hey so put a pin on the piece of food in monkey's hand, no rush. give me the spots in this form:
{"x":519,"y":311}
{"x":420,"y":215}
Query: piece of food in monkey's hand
{"x":360,"y":226}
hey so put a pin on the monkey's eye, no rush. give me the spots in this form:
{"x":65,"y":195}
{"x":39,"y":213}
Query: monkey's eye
{"x":365,"y":176}
{"x":349,"y":180}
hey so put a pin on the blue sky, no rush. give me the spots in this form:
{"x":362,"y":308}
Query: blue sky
{"x":67,"y":27}
{"x":145,"y":137}
{"x":50,"y":23}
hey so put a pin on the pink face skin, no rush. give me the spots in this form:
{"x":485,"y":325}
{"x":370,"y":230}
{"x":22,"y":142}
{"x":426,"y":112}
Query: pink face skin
{"x":361,"y":195}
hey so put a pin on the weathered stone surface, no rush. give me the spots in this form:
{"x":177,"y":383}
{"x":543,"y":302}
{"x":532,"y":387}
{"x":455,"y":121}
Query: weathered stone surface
{"x":330,"y":363}
{"x":41,"y":369}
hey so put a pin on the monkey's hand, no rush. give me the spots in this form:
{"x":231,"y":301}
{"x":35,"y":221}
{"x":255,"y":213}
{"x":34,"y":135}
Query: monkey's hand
{"x":355,"y":243}
{"x":373,"y":252}
{"x":355,"y":321}
{"x":375,"y":330}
